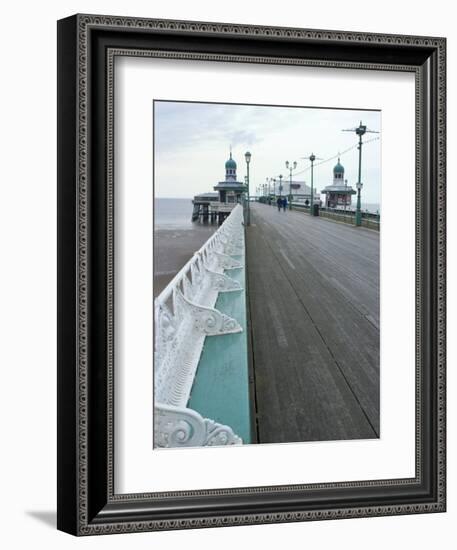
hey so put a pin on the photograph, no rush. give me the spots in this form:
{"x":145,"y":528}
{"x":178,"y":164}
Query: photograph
{"x":266,"y":264}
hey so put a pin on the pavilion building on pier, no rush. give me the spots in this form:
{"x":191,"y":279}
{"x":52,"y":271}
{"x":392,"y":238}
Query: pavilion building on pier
{"x":230,"y":190}
{"x":339,"y":194}
{"x":228,"y":193}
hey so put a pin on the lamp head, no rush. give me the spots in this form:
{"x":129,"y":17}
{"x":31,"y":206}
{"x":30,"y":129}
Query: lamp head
{"x":360,"y":131}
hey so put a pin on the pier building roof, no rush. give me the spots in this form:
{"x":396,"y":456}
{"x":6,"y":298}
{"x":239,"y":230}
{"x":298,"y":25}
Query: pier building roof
{"x":338,"y":168}
{"x":230,"y":163}
{"x":231,"y":184}
{"x":344,"y":189}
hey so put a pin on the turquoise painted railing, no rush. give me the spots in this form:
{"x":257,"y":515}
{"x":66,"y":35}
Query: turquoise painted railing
{"x":184,"y":315}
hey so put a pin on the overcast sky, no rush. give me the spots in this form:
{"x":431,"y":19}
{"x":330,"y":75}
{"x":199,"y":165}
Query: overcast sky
{"x":192,"y":141}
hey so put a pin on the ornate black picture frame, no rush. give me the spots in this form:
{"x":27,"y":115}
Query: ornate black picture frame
{"x":87,"y":46}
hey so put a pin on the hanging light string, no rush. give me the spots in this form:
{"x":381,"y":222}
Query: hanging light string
{"x":335,"y":156}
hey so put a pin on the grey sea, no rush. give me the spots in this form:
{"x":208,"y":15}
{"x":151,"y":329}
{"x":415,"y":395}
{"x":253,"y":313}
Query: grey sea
{"x":374,"y":208}
{"x":176,"y":238}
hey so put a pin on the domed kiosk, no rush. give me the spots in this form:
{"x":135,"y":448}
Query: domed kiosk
{"x":217,"y":206}
{"x":230,"y":190}
{"x":339,"y":194}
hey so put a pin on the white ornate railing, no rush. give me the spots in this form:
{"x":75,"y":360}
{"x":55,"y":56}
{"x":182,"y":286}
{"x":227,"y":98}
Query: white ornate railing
{"x":183,"y":427}
{"x":184,"y":315}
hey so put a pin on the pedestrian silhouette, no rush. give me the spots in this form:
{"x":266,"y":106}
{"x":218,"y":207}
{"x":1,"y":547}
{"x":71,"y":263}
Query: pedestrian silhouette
{"x":278,"y":202}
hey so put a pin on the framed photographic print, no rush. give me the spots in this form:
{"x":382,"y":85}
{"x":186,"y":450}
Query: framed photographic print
{"x":251,"y":274}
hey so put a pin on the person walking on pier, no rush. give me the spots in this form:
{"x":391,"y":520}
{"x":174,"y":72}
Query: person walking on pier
{"x":284,"y":204}
{"x":279,"y":203}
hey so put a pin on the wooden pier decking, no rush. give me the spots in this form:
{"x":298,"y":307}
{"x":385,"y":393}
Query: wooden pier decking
{"x":313,"y":288}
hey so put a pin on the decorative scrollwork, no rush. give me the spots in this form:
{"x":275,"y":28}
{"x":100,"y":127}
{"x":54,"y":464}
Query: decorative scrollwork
{"x":221,"y":282}
{"x":207,"y":320}
{"x":232,"y":250}
{"x":183,"y":427}
{"x":227,"y":262}
{"x":231,"y":247}
{"x":185,"y":314}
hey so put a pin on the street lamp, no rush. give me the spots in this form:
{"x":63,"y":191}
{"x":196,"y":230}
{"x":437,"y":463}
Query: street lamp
{"x":290,"y":166}
{"x":358,"y":211}
{"x":312,"y":158}
{"x":274,"y":187}
{"x":245,"y":204}
{"x":360,"y":131}
{"x":346,"y":195}
{"x":247,"y":156}
{"x":280,"y":185}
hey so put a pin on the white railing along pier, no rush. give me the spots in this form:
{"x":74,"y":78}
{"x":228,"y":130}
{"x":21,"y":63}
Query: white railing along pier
{"x":184,"y":315}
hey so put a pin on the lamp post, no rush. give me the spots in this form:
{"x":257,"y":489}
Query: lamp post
{"x":245,"y":203}
{"x":361,"y":130}
{"x":358,"y":210}
{"x":290,"y":166}
{"x":280,"y":185}
{"x":247,"y":156}
{"x":346,"y":195}
{"x":274,"y":187}
{"x":312,"y":158}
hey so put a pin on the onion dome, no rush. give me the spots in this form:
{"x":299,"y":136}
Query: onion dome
{"x":339,"y":168}
{"x":230,"y":164}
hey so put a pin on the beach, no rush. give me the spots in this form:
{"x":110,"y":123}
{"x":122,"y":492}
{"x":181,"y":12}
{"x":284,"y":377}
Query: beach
{"x":176,"y":239}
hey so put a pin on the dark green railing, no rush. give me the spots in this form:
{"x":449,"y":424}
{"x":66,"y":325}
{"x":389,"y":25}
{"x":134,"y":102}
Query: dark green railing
{"x":369,"y":219}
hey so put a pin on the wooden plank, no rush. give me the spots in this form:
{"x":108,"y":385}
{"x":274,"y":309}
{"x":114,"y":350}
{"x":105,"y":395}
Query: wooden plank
{"x":314,"y":298}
